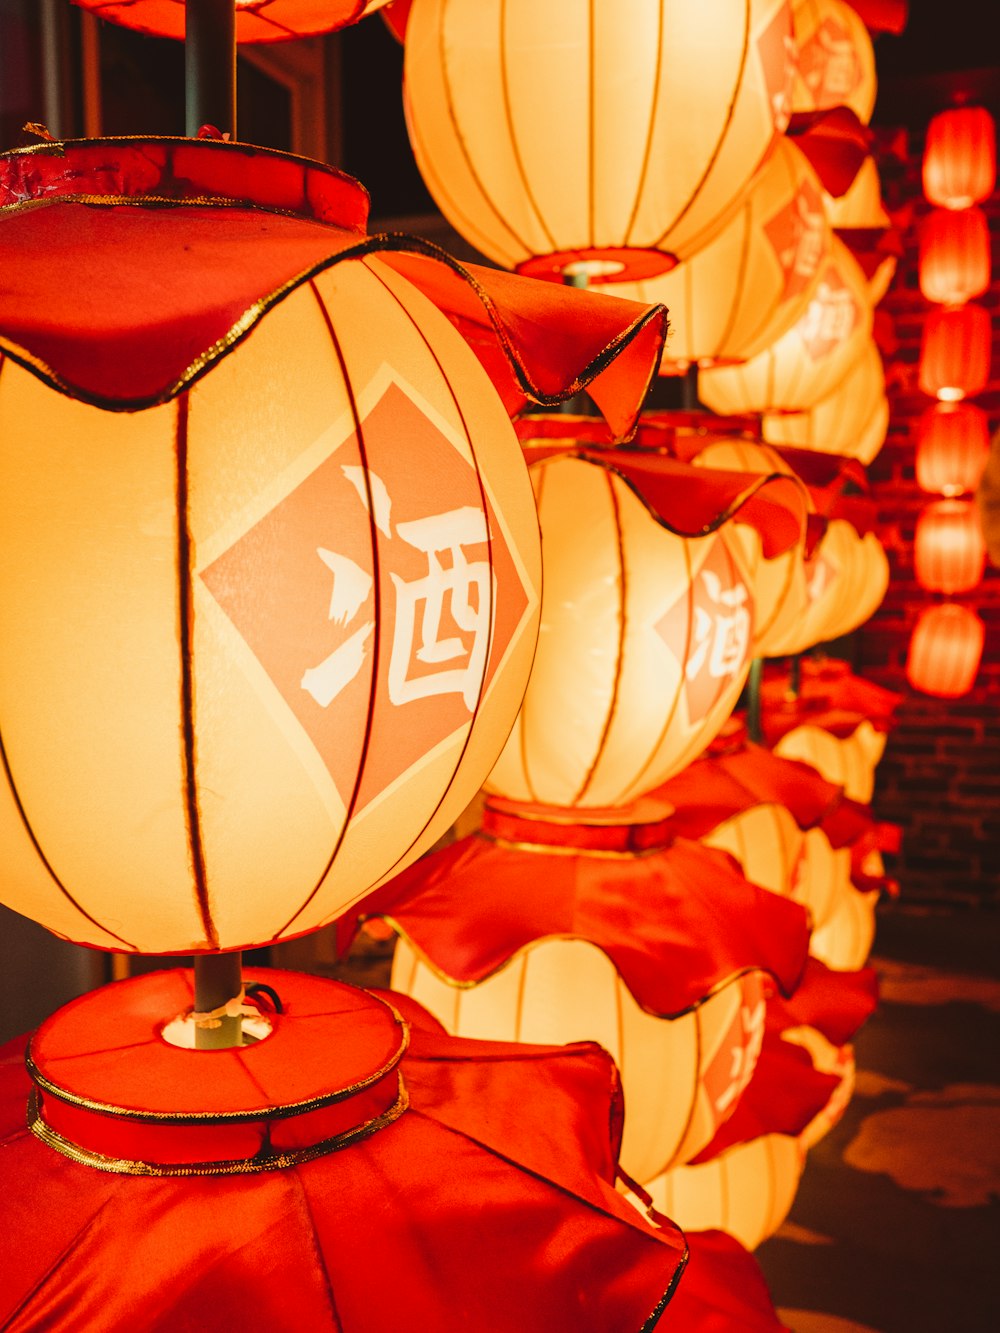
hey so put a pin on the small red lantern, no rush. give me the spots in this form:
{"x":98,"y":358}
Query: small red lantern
{"x":945,"y":651}
{"x":953,"y":441}
{"x":955,"y":352}
{"x":960,"y":157}
{"x":949,"y":550}
{"x":954,"y":255}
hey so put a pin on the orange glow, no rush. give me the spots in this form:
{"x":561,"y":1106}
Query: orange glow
{"x":954,"y":255}
{"x":949,"y":551}
{"x":836,"y":64}
{"x":852,"y":420}
{"x":960,"y":157}
{"x":945,"y":651}
{"x":554,"y":135}
{"x":953,"y":442}
{"x":955,"y":352}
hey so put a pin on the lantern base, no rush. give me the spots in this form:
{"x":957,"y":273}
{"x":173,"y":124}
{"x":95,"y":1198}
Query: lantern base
{"x":604,"y":263}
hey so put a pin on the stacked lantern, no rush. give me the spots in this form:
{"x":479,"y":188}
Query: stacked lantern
{"x":959,"y":171}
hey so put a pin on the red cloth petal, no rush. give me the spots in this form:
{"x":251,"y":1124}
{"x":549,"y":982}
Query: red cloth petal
{"x":722,"y":1290}
{"x":835,"y":1003}
{"x":676,"y":923}
{"x":835,"y":142}
{"x":830,"y":696}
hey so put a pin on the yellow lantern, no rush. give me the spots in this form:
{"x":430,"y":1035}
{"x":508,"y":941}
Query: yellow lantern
{"x":852,"y":420}
{"x":845,"y":939}
{"x":805,"y":364}
{"x":646,"y":634}
{"x":836,"y":65}
{"x":753,"y":280}
{"x":849,"y":761}
{"x":767,"y":843}
{"x":605,"y":139}
{"x":823,"y":876}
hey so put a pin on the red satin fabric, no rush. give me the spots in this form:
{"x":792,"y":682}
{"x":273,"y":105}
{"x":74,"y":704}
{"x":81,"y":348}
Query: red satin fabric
{"x":490,"y":1201}
{"x":114,"y":304}
{"x":835,"y":1003}
{"x":830,"y":696}
{"x":676,"y":923}
{"x":835,"y":142}
{"x":722,"y":1291}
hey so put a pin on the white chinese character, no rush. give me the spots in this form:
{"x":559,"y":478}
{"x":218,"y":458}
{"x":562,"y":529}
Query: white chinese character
{"x":744,"y":1054}
{"x":722,"y":640}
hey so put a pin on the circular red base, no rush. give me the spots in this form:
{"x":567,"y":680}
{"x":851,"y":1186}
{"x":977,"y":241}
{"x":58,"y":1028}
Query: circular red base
{"x":600,"y":264}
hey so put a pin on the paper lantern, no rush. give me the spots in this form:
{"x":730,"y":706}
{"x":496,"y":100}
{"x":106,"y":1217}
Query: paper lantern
{"x":751,"y":282}
{"x":564,"y":138}
{"x":647,"y":634}
{"x":945,"y":651}
{"x":345,"y":1136}
{"x":844,"y":940}
{"x":851,"y":421}
{"x":954,"y":262}
{"x":767,"y":843}
{"x":949,"y":551}
{"x":955,"y":352}
{"x":809,"y":361}
{"x":256,"y":20}
{"x":860,"y":207}
{"x":849,"y":761}
{"x":253,"y":583}
{"x":836,"y":65}
{"x":953,"y":442}
{"x":959,"y":163}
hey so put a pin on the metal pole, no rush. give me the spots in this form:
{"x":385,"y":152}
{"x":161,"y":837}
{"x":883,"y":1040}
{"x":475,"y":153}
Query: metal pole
{"x":689,"y":389}
{"x":755,"y":731}
{"x":56,"y":88}
{"x":218,"y":978}
{"x":210,"y":66}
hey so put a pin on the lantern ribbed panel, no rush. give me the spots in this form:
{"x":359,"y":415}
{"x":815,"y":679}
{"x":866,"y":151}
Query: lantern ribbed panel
{"x":960,"y":157}
{"x":680,"y":1080}
{"x":213,"y":729}
{"x":949,"y":551}
{"x":805,"y":364}
{"x":836,"y":64}
{"x":823,"y":873}
{"x":849,"y":762}
{"x":852,"y":420}
{"x":945,"y":651}
{"x":746,"y":1190}
{"x":955,"y":352}
{"x":564,"y":128}
{"x":953,"y":443}
{"x":625,"y":688}
{"x":767,"y":843}
{"x":845,"y":939}
{"x":954,"y":262}
{"x":754,"y":279}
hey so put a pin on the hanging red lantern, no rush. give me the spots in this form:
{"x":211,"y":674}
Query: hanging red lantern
{"x":256,"y":20}
{"x":953,"y":443}
{"x":954,"y":263}
{"x":949,"y":551}
{"x":836,"y":65}
{"x":960,"y":157}
{"x":945,"y":651}
{"x":577,"y":140}
{"x":955,"y":352}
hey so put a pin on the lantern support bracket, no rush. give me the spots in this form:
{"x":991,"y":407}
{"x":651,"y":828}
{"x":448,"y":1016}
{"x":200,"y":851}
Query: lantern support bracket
{"x":754,"y":681}
{"x":218,"y":981}
{"x":210,"y":66}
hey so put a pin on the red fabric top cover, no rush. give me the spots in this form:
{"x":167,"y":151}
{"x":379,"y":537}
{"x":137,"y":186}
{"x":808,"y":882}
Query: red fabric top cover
{"x":723,"y":1290}
{"x":834,"y":1003}
{"x":132,"y":265}
{"x":256,"y":20}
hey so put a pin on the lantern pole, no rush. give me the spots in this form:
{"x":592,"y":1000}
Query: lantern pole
{"x":755,"y":732}
{"x":210,"y":66}
{"x":218,"y":980}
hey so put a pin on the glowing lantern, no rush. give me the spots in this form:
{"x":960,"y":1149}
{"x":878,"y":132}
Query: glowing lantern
{"x":647,"y":634}
{"x":849,"y":761}
{"x":767,"y":843}
{"x":751,"y":282}
{"x":809,"y":361}
{"x":851,"y":421}
{"x":256,"y":20}
{"x":954,"y":261}
{"x":945,"y":650}
{"x":823,"y":875}
{"x":953,"y":442}
{"x":949,"y":551}
{"x":242,"y":735}
{"x":955,"y":352}
{"x":669,"y":976}
{"x":844,"y":940}
{"x":860,"y":207}
{"x":575,"y":138}
{"x":959,"y":164}
{"x":836,"y":65}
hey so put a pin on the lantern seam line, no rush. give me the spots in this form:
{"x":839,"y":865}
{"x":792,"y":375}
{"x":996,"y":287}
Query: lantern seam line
{"x":521,"y":722}
{"x":648,"y":150}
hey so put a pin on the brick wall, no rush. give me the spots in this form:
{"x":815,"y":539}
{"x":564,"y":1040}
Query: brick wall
{"x":940,"y":778}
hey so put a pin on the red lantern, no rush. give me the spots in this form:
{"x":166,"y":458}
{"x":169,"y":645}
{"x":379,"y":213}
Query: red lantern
{"x":960,"y":157}
{"x":955,"y":352}
{"x":953,"y":441}
{"x":954,"y":255}
{"x":949,"y":550}
{"x":256,"y":20}
{"x":945,"y":651}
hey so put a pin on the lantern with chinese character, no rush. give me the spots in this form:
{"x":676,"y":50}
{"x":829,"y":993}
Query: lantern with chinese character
{"x":945,"y":651}
{"x":809,"y":361}
{"x":949,"y":551}
{"x":955,"y":352}
{"x":564,"y":138}
{"x":960,"y":157}
{"x":954,"y":261}
{"x":852,"y":420}
{"x":751,"y":282}
{"x":836,"y":65}
{"x":256,"y":20}
{"x":537,"y":928}
{"x":647,"y":629}
{"x":953,"y":442}
{"x":296,"y":646}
